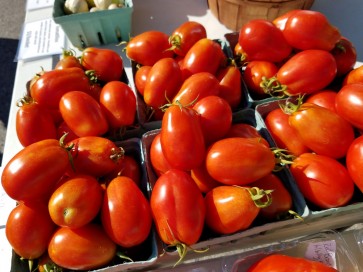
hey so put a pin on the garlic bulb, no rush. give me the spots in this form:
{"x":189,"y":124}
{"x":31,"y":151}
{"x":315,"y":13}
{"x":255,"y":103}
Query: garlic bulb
{"x":75,"y":6}
{"x":102,"y":4}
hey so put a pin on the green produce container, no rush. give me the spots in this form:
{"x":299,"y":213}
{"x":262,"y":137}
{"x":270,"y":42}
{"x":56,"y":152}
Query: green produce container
{"x":95,"y":28}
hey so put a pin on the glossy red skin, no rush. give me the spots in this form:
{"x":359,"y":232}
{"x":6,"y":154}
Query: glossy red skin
{"x":307,"y":71}
{"x":33,"y":172}
{"x":181,"y":138}
{"x":322,"y":180}
{"x":118,"y":102}
{"x":70,"y":205}
{"x":322,"y":130}
{"x":157,"y":158}
{"x":230,"y":85}
{"x":285,"y":136}
{"x":106,"y":63}
{"x":348,"y":104}
{"x":308,"y":29}
{"x":281,"y":197}
{"x":323,"y":98}
{"x":141,"y":75}
{"x":33,"y":123}
{"x":239,"y":161}
{"x":203,"y":180}
{"x":163,"y":82}
{"x":229,"y":209}
{"x":90,"y":248}
{"x":345,"y":56}
{"x":94,"y":155}
{"x":254,"y":73}
{"x":196,"y":87}
{"x":128,"y":166}
{"x":49,"y":88}
{"x":189,"y":33}
{"x":83,"y":114}
{"x":262,"y":40}
{"x":245,"y":131}
{"x":353,"y":162}
{"x":205,"y":55}
{"x":126,"y":214}
{"x":68,"y":62}
{"x":178,"y":208}
{"x":281,"y":20}
{"x":283,"y":263}
{"x":29,"y":228}
{"x":354,"y":76}
{"x":149,"y":47}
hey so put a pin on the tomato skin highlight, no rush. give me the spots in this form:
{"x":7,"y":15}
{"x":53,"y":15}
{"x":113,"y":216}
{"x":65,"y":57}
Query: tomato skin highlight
{"x":354,"y":160}
{"x":178,"y":208}
{"x":230,"y":87}
{"x":158,"y":161}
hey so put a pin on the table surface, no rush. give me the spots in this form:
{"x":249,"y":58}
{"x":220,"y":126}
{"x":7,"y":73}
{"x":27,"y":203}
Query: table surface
{"x":163,"y":15}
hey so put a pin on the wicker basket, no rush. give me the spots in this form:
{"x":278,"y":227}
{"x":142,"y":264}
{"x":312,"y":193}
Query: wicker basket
{"x":234,"y":13}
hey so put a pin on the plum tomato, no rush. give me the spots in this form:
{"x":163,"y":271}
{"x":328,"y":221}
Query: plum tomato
{"x":354,"y":160}
{"x":345,"y":56}
{"x":245,"y":130}
{"x":157,"y":159}
{"x":141,"y":76}
{"x":324,"y":98}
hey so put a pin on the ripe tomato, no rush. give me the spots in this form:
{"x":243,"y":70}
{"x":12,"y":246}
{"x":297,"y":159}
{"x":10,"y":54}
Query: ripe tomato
{"x":83,"y":248}
{"x":262,"y":40}
{"x":141,"y":76}
{"x":322,"y":130}
{"x":106,"y":63}
{"x":308,"y":29}
{"x":68,"y":60}
{"x":348,"y":104}
{"x":280,"y":21}
{"x":33,"y":123}
{"x":181,"y":138}
{"x":323,"y":98}
{"x":149,"y":47}
{"x":178,"y":208}
{"x":70,"y":205}
{"x":345,"y":56}
{"x":185,"y":36}
{"x":49,"y":87}
{"x":245,"y":131}
{"x":322,"y":180}
{"x":33,"y":172}
{"x":239,"y":161}
{"x":83,"y":114}
{"x":229,"y":209}
{"x":96,"y":156}
{"x":196,"y":87}
{"x":279,"y":262}
{"x":118,"y":102}
{"x":205,"y":55}
{"x":353,"y":161}
{"x":157,"y":159}
{"x":127,"y":167}
{"x":354,"y":76}
{"x":29,"y":228}
{"x":163,"y":82}
{"x":203,"y":180}
{"x":230,"y":87}
{"x":215,"y":117}
{"x":126,"y":215}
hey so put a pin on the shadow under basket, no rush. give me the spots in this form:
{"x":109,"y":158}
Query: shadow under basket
{"x":234,"y":13}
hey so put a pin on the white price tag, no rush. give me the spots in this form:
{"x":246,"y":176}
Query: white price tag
{"x":324,"y":252}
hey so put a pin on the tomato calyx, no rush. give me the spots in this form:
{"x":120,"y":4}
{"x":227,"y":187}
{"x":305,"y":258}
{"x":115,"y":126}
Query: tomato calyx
{"x":261,"y":198}
{"x":123,"y":256}
{"x":182,"y":250}
{"x":117,"y":154}
{"x":175,"y":41}
{"x":26,"y":100}
{"x":290,"y":107}
{"x":273,"y":87}
{"x":92,"y":76}
{"x":283,"y":158}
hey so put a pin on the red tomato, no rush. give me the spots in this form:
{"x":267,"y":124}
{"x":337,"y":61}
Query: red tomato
{"x":96,"y":156}
{"x":185,"y":36}
{"x":95,"y":90}
{"x":262,"y":40}
{"x":322,"y":130}
{"x":29,"y":228}
{"x":118,"y":102}
{"x":126,"y":213}
{"x":279,"y":262}
{"x":149,"y":47}
{"x":157,"y":158}
{"x":203,"y":180}
{"x":345,"y":56}
{"x":127,"y":167}
{"x":322,"y":180}
{"x":229,"y":209}
{"x":245,"y":131}
{"x":308,"y":29}
{"x":62,"y":129}
{"x":284,"y":135}
{"x":106,"y":63}
{"x":354,"y":76}
{"x":33,"y":123}
{"x":205,"y":55}
{"x":141,"y":76}
{"x":49,"y":87}
{"x":163,"y":82}
{"x":68,"y":60}
{"x":181,"y":138}
{"x":178,"y":208}
{"x":353,"y":161}
{"x":254,"y":74}
{"x":196,"y":87}
{"x":33,"y":172}
{"x":70,"y":205}
{"x":280,"y":21}
{"x":83,"y":114}
{"x":84,"y":248}
{"x":323,"y":98}
{"x":230,"y":87}
{"x":215,"y":117}
{"x":239,"y":161}
{"x":349,"y":102}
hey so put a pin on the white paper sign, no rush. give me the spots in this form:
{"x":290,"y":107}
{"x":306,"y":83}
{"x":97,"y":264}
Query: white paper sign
{"x":38,"y":4}
{"x":323,"y":252}
{"x":41,"y":38}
